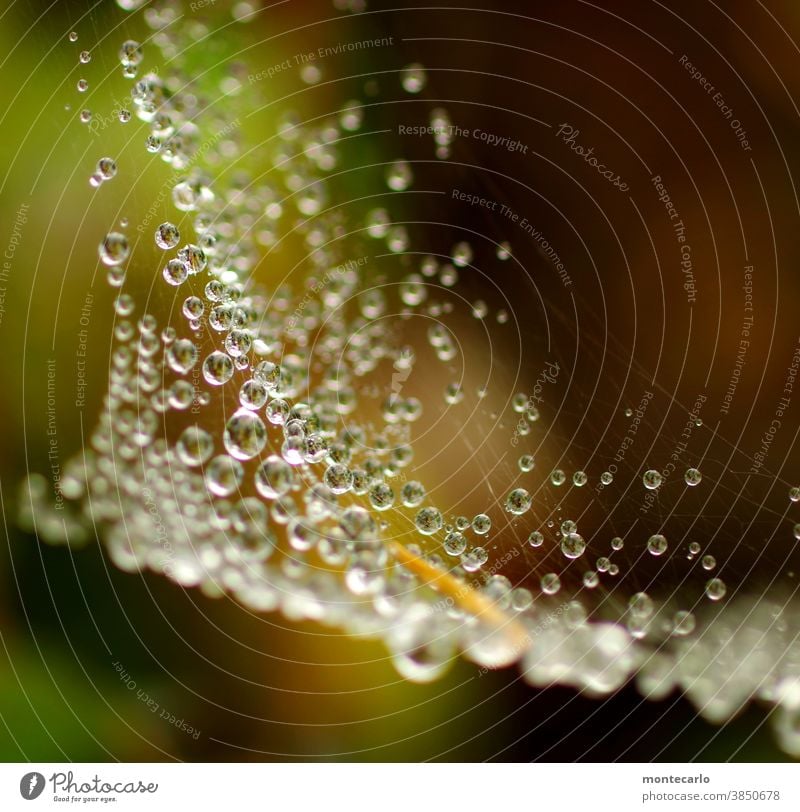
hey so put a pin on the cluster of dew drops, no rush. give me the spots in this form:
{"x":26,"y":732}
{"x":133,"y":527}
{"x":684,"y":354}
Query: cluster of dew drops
{"x":277,"y":461}
{"x":331,"y":488}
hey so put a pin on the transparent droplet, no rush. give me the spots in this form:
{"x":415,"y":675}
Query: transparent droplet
{"x":167,"y":236}
{"x":472,"y":560}
{"x":130,"y":53}
{"x":245,"y":435}
{"x":716,"y":589}
{"x":224,"y":475}
{"x":503,"y":251}
{"x":195,"y":446}
{"x":398,"y":176}
{"x":462,"y":255}
{"x":657,"y":544}
{"x":381,"y":496}
{"x":114,"y":249}
{"x":412,"y":494}
{"x":535,"y":539}
{"x":518,"y":501}
{"x":573,"y":545}
{"x":708,"y":562}
{"x":641,"y":605}
{"x":455,"y":543}
{"x":481,"y":524}
{"x":413,"y":78}
{"x":651,"y":479}
{"x":683,"y":623}
{"x":274,"y":477}
{"x":550,"y":583}
{"x":692,"y":477}
{"x":181,"y":356}
{"x":217,"y":368}
{"x":175,"y":272}
{"x":428,"y":521}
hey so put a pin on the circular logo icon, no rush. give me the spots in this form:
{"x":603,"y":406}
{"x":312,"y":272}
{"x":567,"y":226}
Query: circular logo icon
{"x":31,"y":786}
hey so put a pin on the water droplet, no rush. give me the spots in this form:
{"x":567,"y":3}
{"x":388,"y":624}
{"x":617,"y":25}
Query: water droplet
{"x":651,"y":479}
{"x":130,"y":53}
{"x":657,"y":544}
{"x":167,"y":236}
{"x":245,"y":435}
{"x":518,"y":501}
{"x":462,"y":256}
{"x":579,"y":479}
{"x":526,"y":463}
{"x":474,"y":559}
{"x":182,"y":356}
{"x":641,"y":605}
{"x":381,"y":496}
{"x":455,"y":543}
{"x":195,"y":446}
{"x":399,"y":176}
{"x":481,"y":524}
{"x":683,"y":623}
{"x":716,"y":589}
{"x":413,"y":78}
{"x":217,"y":368}
{"x":428,"y":521}
{"x":535,"y":539}
{"x":274,"y":477}
{"x":573,"y":545}
{"x":692,"y":477}
{"x":708,"y":562}
{"x":412,"y":494}
{"x":223,"y":475}
{"x":114,"y":249}
{"x":550,"y":583}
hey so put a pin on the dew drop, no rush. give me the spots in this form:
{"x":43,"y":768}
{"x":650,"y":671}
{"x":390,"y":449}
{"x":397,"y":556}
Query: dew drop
{"x":651,"y":479}
{"x":413,"y":78}
{"x":217,"y":368}
{"x":518,"y":501}
{"x":716,"y":589}
{"x":692,"y":477}
{"x":657,"y":544}
{"x":167,"y":236}
{"x":114,"y":249}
